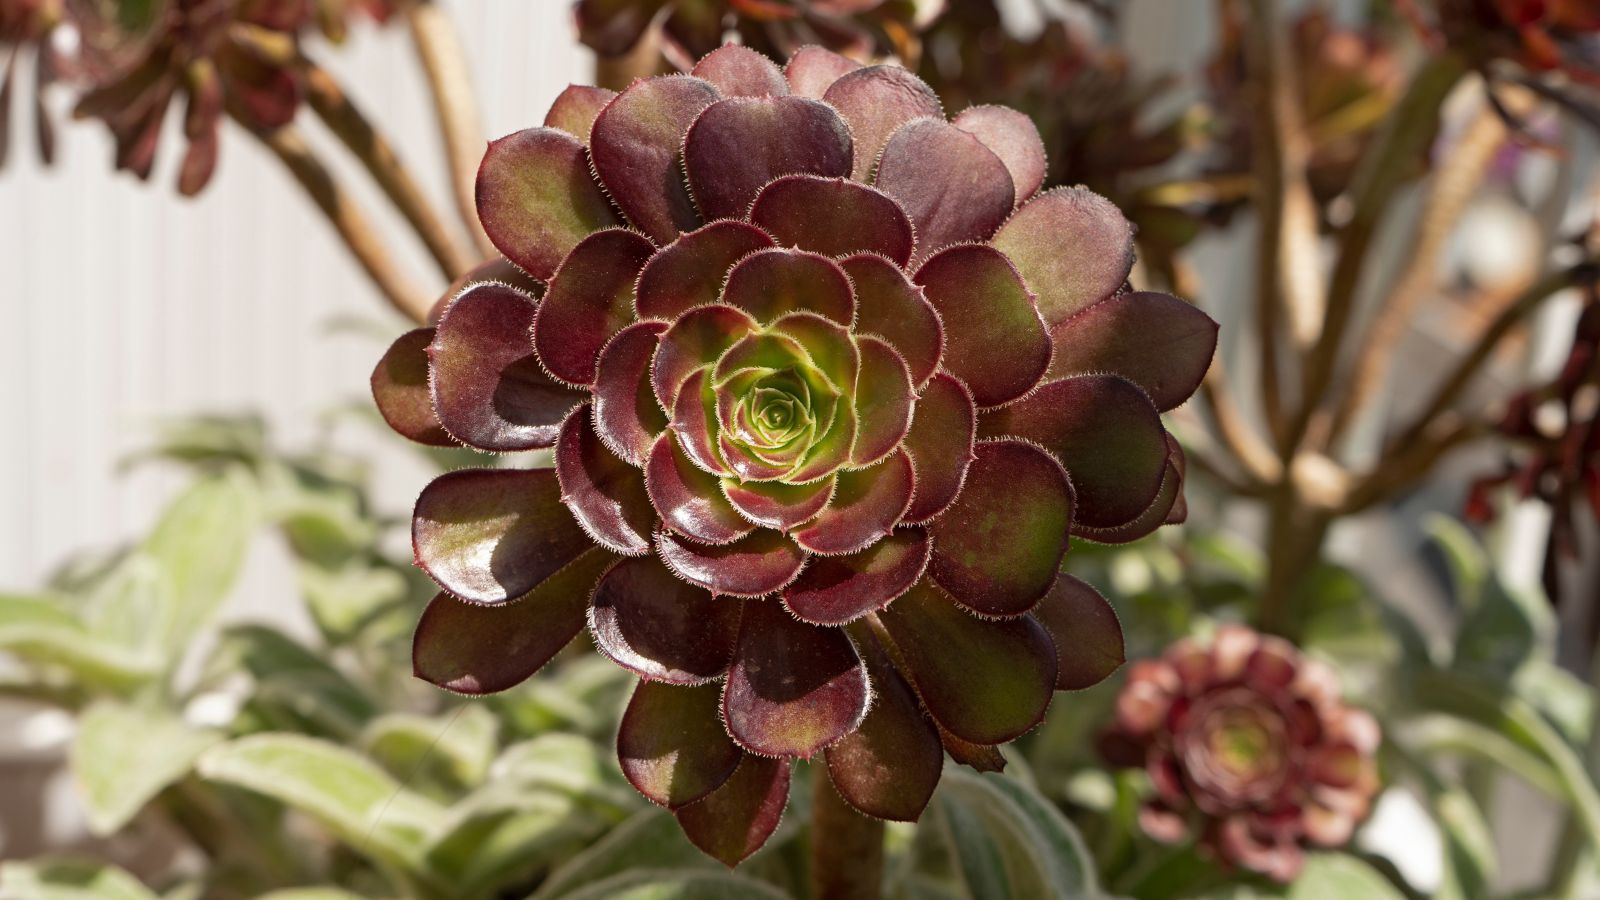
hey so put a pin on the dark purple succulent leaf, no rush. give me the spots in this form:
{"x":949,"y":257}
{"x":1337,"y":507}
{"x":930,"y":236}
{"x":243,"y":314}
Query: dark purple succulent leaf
{"x":987,"y":681}
{"x":734,"y":820}
{"x":590,"y":299}
{"x":835,"y":590}
{"x":811,"y":70}
{"x":689,"y":272}
{"x":738,"y":145}
{"x":758,"y":564}
{"x":1073,"y":246}
{"x":834,"y":217}
{"x":982,"y":757}
{"x":637,"y":147}
{"x":889,"y":766}
{"x":474,"y":649}
{"x":1086,"y":633}
{"x":488,"y":389}
{"x":536,"y":199}
{"x":1014,"y":138}
{"x":876,"y":101}
{"x":794,"y":687}
{"x":672,"y":745}
{"x":400,"y":389}
{"x":605,"y":494}
{"x":1105,"y":431}
{"x":575,"y":109}
{"x":651,"y":623}
{"x":997,"y":549}
{"x":772,"y":283}
{"x":995,"y":341}
{"x":866,"y":505}
{"x":884,"y":401}
{"x":696,"y":339}
{"x":953,"y":187}
{"x":688,"y":498}
{"x":626,"y":415}
{"x":773,"y":504}
{"x":890,"y":306}
{"x":1156,"y":341}
{"x":492,"y":535}
{"x":738,"y":71}
{"x":940,"y":444}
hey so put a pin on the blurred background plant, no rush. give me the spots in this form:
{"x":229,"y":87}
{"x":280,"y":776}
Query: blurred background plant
{"x":1390,"y":207}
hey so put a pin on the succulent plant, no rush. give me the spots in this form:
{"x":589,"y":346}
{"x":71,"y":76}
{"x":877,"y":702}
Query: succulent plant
{"x":829,"y":386}
{"x":690,"y":29}
{"x":1249,"y":748}
{"x":223,"y":56}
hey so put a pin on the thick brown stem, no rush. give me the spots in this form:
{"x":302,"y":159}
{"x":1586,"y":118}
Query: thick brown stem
{"x":345,"y":120}
{"x":846,"y":847}
{"x":1288,"y":276}
{"x":456,"y":106}
{"x":1387,"y":163}
{"x":1295,"y":533}
{"x":1452,"y":187}
{"x":352,"y":225}
{"x":643,"y":61}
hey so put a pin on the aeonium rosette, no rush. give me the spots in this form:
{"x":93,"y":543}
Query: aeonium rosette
{"x":1250,"y":749}
{"x":829,"y":387}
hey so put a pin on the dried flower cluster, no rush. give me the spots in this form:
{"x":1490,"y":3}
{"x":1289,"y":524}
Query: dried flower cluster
{"x":829,"y":384}
{"x":1249,"y":748}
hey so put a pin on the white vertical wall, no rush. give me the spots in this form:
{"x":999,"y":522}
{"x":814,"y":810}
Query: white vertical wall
{"x":123,"y":303}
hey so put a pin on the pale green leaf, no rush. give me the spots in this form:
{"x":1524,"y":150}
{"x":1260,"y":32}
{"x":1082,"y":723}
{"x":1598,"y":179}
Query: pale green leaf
{"x":454,"y":749}
{"x":650,"y":839}
{"x":43,"y":631}
{"x":358,"y":801}
{"x":124,"y":755}
{"x":1337,"y":876}
{"x":1008,"y":840}
{"x":311,"y":893}
{"x":69,"y":879}
{"x":200,"y":544}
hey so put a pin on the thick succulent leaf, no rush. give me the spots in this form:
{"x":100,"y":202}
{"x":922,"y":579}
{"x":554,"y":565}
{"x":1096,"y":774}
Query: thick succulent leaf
{"x":940,"y":445}
{"x":696,"y":339}
{"x":884,"y":399}
{"x":1156,"y":341}
{"x":1105,"y":431}
{"x":828,"y":345}
{"x":672,"y":745}
{"x":889,"y":305}
{"x":811,"y":70}
{"x":888,"y":767}
{"x":834,"y":590}
{"x":738,"y":71}
{"x":626,"y":415}
{"x":981,"y":757}
{"x":866,"y":505}
{"x":1072,"y":245}
{"x":689,"y":272}
{"x":1086,"y":633}
{"x":875,"y":101}
{"x":771,"y":283}
{"x":605,"y":494}
{"x":575,"y":109}
{"x":995,"y":341}
{"x":492,"y":535}
{"x":653,"y":624}
{"x":953,"y":187}
{"x":487,"y":387}
{"x":740,"y":144}
{"x":688,"y":498}
{"x":536,"y":199}
{"x":694,"y":421}
{"x":400,"y":388}
{"x":985,"y":680}
{"x":1014,"y":138}
{"x":589,"y":300}
{"x":1166,"y":508}
{"x":758,"y":564}
{"x":831,"y":451}
{"x":773,"y":504}
{"x":474,"y":649}
{"x":997,"y":549}
{"x":737,"y":818}
{"x":834,"y":217}
{"x":794,"y":687}
{"x":637,"y":147}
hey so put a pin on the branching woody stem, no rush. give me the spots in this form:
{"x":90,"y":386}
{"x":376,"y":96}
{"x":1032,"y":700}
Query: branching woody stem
{"x":1410,"y":126}
{"x":375,"y":152}
{"x":1450,"y":191}
{"x":352,"y":225}
{"x":456,"y":106}
{"x":1288,"y":275}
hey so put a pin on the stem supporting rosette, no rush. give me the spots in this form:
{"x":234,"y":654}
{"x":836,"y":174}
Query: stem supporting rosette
{"x":823,"y":428}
